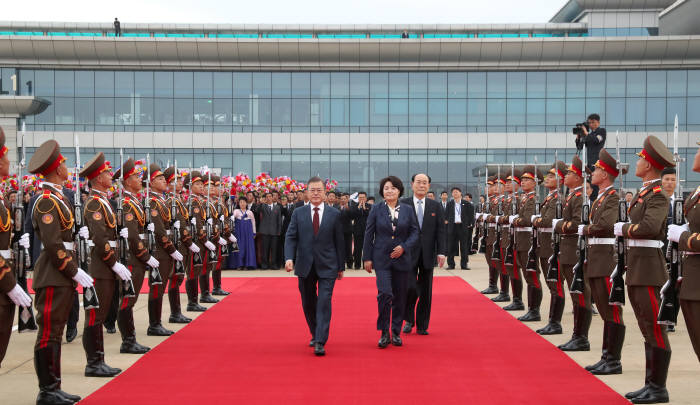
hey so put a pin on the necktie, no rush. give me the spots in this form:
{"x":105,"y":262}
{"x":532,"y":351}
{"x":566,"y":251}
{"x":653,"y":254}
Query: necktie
{"x":316,"y":221}
{"x":420,"y":214}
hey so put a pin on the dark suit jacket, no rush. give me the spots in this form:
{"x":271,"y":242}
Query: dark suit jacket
{"x":287,"y":216}
{"x":359,"y":217}
{"x":299,"y":204}
{"x":346,"y":219}
{"x":433,"y":233}
{"x":380,"y":240}
{"x":325,"y":251}
{"x":467,"y":215}
{"x":270,"y":220}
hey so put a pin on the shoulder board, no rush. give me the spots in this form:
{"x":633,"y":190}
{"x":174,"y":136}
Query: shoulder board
{"x":657,"y":189}
{"x":643,"y":193}
{"x":46,"y":194}
{"x":611,"y":192}
{"x":578,"y":194}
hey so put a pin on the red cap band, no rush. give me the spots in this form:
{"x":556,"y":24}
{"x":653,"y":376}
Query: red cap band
{"x":607,"y":168}
{"x":576,"y":170}
{"x":156,"y":174}
{"x":645,"y":155}
{"x":60,"y":159}
{"x":95,"y":173}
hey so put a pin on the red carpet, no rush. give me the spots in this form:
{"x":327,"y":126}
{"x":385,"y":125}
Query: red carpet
{"x":252,"y":349}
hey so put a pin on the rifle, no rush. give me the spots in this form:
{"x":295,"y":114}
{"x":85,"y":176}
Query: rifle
{"x":196,"y":257}
{"x":617,"y":290}
{"x":23,"y":261}
{"x":486,"y":210}
{"x":153,"y":273}
{"x":532,"y":253}
{"x":496,"y":252}
{"x":127,"y":286}
{"x":510,"y":257}
{"x":212,"y":253}
{"x":90,"y":300}
{"x":670,"y":304}
{"x":232,"y":223}
{"x":553,"y":269}
{"x":475,"y":240}
{"x":577,"y":284}
{"x":174,"y":232}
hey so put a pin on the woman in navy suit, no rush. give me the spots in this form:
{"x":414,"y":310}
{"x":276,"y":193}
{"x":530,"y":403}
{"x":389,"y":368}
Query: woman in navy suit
{"x":392,"y":230}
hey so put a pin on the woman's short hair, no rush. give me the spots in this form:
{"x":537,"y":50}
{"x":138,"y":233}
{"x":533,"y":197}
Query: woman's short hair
{"x":242,"y":199}
{"x":395,"y":181}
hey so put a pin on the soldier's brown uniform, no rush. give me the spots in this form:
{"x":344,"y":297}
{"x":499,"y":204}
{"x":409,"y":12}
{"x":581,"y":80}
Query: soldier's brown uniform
{"x":7,"y":279}
{"x":543,"y":223}
{"x":523,"y":243}
{"x":496,"y":206}
{"x":490,"y":238}
{"x":516,"y":282}
{"x":225,"y":231}
{"x":197,"y":236}
{"x":689,"y":242}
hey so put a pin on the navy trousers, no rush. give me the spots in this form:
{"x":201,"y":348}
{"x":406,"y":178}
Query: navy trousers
{"x":316,"y":295}
{"x":392,"y":286}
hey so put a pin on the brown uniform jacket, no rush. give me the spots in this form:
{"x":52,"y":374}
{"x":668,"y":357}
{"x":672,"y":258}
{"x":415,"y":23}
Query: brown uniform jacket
{"x":199,"y":213}
{"x":523,"y":239}
{"x":690,"y":242}
{"x":7,"y":276}
{"x":503,"y":220}
{"x":184,"y":217}
{"x":600,"y":259}
{"x":160,"y":218}
{"x":491,"y":219}
{"x":568,"y":226}
{"x":547,"y":212}
{"x":101,"y":220}
{"x":222,"y":211}
{"x":648,"y":211}
{"x":134,"y":221}
{"x":52,"y":219}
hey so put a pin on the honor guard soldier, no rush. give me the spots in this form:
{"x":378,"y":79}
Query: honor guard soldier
{"x":184,"y":242}
{"x":226,"y":235}
{"x":601,"y":262}
{"x":165,"y":250}
{"x":197,"y":214}
{"x":211,"y":238}
{"x":11,"y":293}
{"x":646,"y":266}
{"x":510,"y":207}
{"x":497,"y":257}
{"x":55,"y":271}
{"x":491,"y":184}
{"x":567,"y":227}
{"x":688,"y":238}
{"x":543,"y":223}
{"x":522,"y":222}
{"x":134,"y":220}
{"x":104,"y":267}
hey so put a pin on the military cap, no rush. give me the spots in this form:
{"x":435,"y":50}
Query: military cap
{"x":491,"y":180}
{"x":558,"y":167}
{"x":516,"y":173}
{"x":531,"y":172}
{"x":169,"y":174}
{"x":46,"y":159}
{"x":608,"y":163}
{"x":192,"y":177}
{"x":576,"y":166}
{"x":3,"y":148}
{"x":501,"y":178}
{"x":129,"y":170}
{"x":95,"y":166}
{"x":656,"y":153}
{"x":154,"y":171}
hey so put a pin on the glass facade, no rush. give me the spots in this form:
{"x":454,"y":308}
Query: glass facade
{"x":352,"y":102}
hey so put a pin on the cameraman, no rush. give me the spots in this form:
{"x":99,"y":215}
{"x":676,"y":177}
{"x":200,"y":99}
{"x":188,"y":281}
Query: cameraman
{"x":593,"y":136}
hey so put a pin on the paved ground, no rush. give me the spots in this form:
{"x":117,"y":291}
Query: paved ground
{"x":18,"y":381}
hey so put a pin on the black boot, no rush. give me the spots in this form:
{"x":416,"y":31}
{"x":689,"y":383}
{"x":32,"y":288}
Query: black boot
{"x":647,"y":374}
{"x":155,"y":328}
{"x":175,"y":311}
{"x":534,"y":300}
{"x":503,"y":296}
{"x":615,"y":339}
{"x":125,"y":322}
{"x":493,"y":277}
{"x":579,"y":340}
{"x":216,"y":278}
{"x":205,"y":297}
{"x":656,"y":392}
{"x":604,"y":355}
{"x":556,"y":310}
{"x":93,"y":343}
{"x":192,"y":305}
{"x":517,"y":304}
{"x":385,"y":339}
{"x":47,"y":363}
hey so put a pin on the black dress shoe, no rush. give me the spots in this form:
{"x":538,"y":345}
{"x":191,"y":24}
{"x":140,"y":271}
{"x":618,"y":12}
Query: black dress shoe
{"x":407,"y":327}
{"x":609,"y":367}
{"x":219,"y":291}
{"x":532,"y":315}
{"x":384,"y":340}
{"x":466,"y":267}
{"x":179,"y":318}
{"x":311,"y":343}
{"x":635,"y":394}
{"x":422,"y":332}
{"x":670,"y":328}
{"x":71,"y":334}
{"x":131,"y":346}
{"x":502,"y":297}
{"x":208,"y":299}
{"x":110,"y":328}
{"x":52,"y":398}
{"x":194,"y":307}
{"x":550,"y":329}
{"x":490,"y":290}
{"x":516,"y":305}
{"x":652,"y":395}
{"x":158,"y":330}
{"x":450,"y":267}
{"x":319,"y":350}
{"x":396,"y":340}
{"x":101,"y":370}
{"x":576,"y":344}
{"x":70,"y":397}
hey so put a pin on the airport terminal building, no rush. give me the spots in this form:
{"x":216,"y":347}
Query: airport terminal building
{"x":357,"y":102}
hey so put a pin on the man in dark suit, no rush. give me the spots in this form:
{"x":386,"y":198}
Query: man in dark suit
{"x":346,"y":220}
{"x":270,"y":228}
{"x":314,"y":250}
{"x":359,"y":216}
{"x":287,"y":208}
{"x":302,"y":198}
{"x":443,"y":204}
{"x":459,"y":216}
{"x":432,"y":243}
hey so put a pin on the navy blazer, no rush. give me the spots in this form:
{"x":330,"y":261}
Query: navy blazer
{"x":380,"y":240}
{"x":325,"y":251}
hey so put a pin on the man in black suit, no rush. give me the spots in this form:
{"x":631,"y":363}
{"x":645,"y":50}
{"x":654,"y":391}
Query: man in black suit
{"x":359,"y":216}
{"x":433,"y":241}
{"x":270,"y":228}
{"x":287,"y":208}
{"x":459,"y":216}
{"x":314,"y":250}
{"x":346,"y":220}
{"x":443,"y":203}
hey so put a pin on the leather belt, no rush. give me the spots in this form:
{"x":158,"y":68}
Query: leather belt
{"x":6,"y":254}
{"x":505,"y":226}
{"x":523,"y":229}
{"x":68,"y":245}
{"x":492,"y":225}
{"x":548,"y":230}
{"x":650,"y":243}
{"x":692,"y":253}
{"x":601,"y":241}
{"x":142,"y":236}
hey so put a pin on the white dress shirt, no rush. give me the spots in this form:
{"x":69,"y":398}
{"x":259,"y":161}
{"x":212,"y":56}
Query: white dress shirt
{"x":320,"y":213}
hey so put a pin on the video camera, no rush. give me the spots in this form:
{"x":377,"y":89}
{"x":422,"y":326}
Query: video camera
{"x":578,"y":129}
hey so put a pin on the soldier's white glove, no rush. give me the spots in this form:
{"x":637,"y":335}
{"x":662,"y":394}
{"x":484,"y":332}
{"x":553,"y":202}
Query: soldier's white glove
{"x":124,"y":233}
{"x":84,"y":232}
{"x":24,"y":241}
{"x":497,"y":218}
{"x":193,"y":221}
{"x":618,"y":228}
{"x":614,"y":274}
{"x":82,"y":278}
{"x":534,"y":217}
{"x":554,"y":222}
{"x":153,"y":262}
{"x":580,"y":230}
{"x":176,"y":225}
{"x":194,"y":248}
{"x":667,"y":288}
{"x":210,"y":221}
{"x":675,"y":231}
{"x":151,"y":227}
{"x":210,"y":246}
{"x":512,"y":218}
{"x":177,"y":256}
{"x":221,"y":218}
{"x":122,"y":271}
{"x":222,"y":241}
{"x":19,"y":297}
{"x":232,"y":217}
{"x":232,"y":238}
